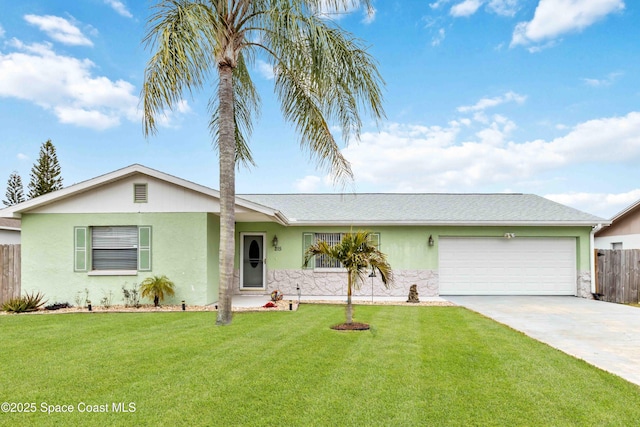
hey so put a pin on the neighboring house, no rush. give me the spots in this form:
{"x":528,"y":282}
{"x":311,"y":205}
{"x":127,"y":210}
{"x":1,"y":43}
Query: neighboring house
{"x":9,"y":231}
{"x":119,"y":228}
{"x":624,"y":231}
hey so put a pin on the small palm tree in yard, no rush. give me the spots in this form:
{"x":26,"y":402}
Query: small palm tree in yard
{"x":358,"y":256}
{"x":156,"y":287}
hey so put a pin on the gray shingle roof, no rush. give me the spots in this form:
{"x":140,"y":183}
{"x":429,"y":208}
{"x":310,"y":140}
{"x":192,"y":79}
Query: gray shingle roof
{"x":376,"y":208}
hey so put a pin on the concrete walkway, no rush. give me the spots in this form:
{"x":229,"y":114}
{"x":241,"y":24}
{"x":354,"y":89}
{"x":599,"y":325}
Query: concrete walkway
{"x":604,"y":334}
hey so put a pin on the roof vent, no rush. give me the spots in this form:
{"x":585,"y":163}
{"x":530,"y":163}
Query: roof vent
{"x":140,"y":193}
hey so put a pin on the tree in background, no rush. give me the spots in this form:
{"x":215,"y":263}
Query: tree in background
{"x":323,"y":77}
{"x":15,"y":191}
{"x":45,"y":173}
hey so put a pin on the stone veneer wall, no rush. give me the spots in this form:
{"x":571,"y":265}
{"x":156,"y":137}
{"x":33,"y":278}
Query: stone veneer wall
{"x":584,"y":285}
{"x":314,"y":283}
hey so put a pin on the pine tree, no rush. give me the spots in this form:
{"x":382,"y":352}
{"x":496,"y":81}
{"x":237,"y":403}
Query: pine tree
{"x":45,"y":173}
{"x":15,"y":191}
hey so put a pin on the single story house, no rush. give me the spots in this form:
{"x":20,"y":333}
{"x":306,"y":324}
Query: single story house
{"x":624,"y":231}
{"x":9,"y":231}
{"x":117,"y":229}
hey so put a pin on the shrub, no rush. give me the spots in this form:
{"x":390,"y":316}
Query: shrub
{"x":131,"y":296}
{"x":107,"y":299}
{"x":58,"y":306}
{"x":27,"y":302}
{"x":82,"y":300}
{"x":156,"y":287}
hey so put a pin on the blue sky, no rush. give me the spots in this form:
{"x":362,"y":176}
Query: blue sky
{"x":532,"y":96}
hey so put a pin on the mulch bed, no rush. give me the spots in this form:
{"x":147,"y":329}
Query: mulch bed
{"x":280,"y":306}
{"x":355,"y":326}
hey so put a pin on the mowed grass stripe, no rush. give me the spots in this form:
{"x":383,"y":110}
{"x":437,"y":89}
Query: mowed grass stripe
{"x":416,"y":366}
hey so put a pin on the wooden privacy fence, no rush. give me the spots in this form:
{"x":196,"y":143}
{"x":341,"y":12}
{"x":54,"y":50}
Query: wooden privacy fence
{"x":618,"y":275}
{"x":9,"y":272}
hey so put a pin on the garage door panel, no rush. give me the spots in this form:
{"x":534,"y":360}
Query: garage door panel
{"x":498,"y":266}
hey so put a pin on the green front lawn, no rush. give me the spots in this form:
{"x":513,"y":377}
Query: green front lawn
{"x":417,"y":366}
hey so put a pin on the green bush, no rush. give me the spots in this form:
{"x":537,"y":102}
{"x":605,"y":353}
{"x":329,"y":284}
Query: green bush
{"x":58,"y":306}
{"x":25,"y":303}
{"x":156,"y":287}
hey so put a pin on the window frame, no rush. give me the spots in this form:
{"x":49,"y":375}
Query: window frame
{"x":311,"y":238}
{"x":84,"y":250}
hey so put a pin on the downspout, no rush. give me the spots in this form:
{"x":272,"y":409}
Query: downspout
{"x":592,"y":260}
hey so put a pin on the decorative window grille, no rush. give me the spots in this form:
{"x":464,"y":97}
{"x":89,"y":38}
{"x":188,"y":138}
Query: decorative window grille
{"x":324,"y":261}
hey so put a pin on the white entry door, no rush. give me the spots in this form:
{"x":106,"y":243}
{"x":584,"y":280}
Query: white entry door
{"x":253,"y":270}
{"x":500,"y":266}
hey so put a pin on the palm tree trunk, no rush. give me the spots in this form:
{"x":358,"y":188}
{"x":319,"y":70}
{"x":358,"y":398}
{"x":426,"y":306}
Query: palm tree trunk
{"x":349,"y":305}
{"x":226,"y":145}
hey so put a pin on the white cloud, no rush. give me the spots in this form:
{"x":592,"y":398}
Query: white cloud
{"x":602,"y":204}
{"x":503,"y":7}
{"x":308,"y":184}
{"x":553,"y":18}
{"x":2,"y":32}
{"x":438,"y":38}
{"x":437,"y":4}
{"x":408,"y":158}
{"x":485,"y":103}
{"x":59,"y":29}
{"x":67,"y":88}
{"x":465,"y":8}
{"x":119,"y":7}
{"x":607,"y":81}
{"x":22,"y":156}
{"x":265,"y":69}
{"x":369,"y":15}
{"x":470,"y":7}
{"x":173,"y":118}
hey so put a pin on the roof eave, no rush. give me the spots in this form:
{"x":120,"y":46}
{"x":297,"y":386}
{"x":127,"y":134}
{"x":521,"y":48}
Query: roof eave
{"x":342,"y":223}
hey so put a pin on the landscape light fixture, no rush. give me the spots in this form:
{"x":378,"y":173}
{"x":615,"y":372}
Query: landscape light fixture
{"x":372,"y":275}
{"x":431,"y":242}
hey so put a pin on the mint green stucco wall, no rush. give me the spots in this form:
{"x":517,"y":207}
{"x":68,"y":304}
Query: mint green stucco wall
{"x":213,"y":249}
{"x":406,"y":246}
{"x":183,"y":247}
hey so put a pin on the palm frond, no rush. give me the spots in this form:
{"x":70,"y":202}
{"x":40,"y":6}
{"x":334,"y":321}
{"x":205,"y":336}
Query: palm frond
{"x":181,"y":33}
{"x":323,"y":76}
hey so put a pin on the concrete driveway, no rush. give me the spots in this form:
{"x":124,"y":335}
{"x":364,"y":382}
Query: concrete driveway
{"x":604,"y":334}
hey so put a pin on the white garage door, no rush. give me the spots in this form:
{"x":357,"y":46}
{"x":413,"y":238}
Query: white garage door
{"x":500,"y":266}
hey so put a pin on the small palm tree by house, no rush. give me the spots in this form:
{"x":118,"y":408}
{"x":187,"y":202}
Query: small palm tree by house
{"x":358,"y":256}
{"x":157,"y":287}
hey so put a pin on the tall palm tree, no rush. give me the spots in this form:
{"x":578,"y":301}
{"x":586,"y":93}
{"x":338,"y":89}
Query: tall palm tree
{"x":357,"y":255}
{"x":323,"y":76}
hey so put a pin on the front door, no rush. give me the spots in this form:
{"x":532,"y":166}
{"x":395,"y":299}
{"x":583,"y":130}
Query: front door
{"x":252,"y":271}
